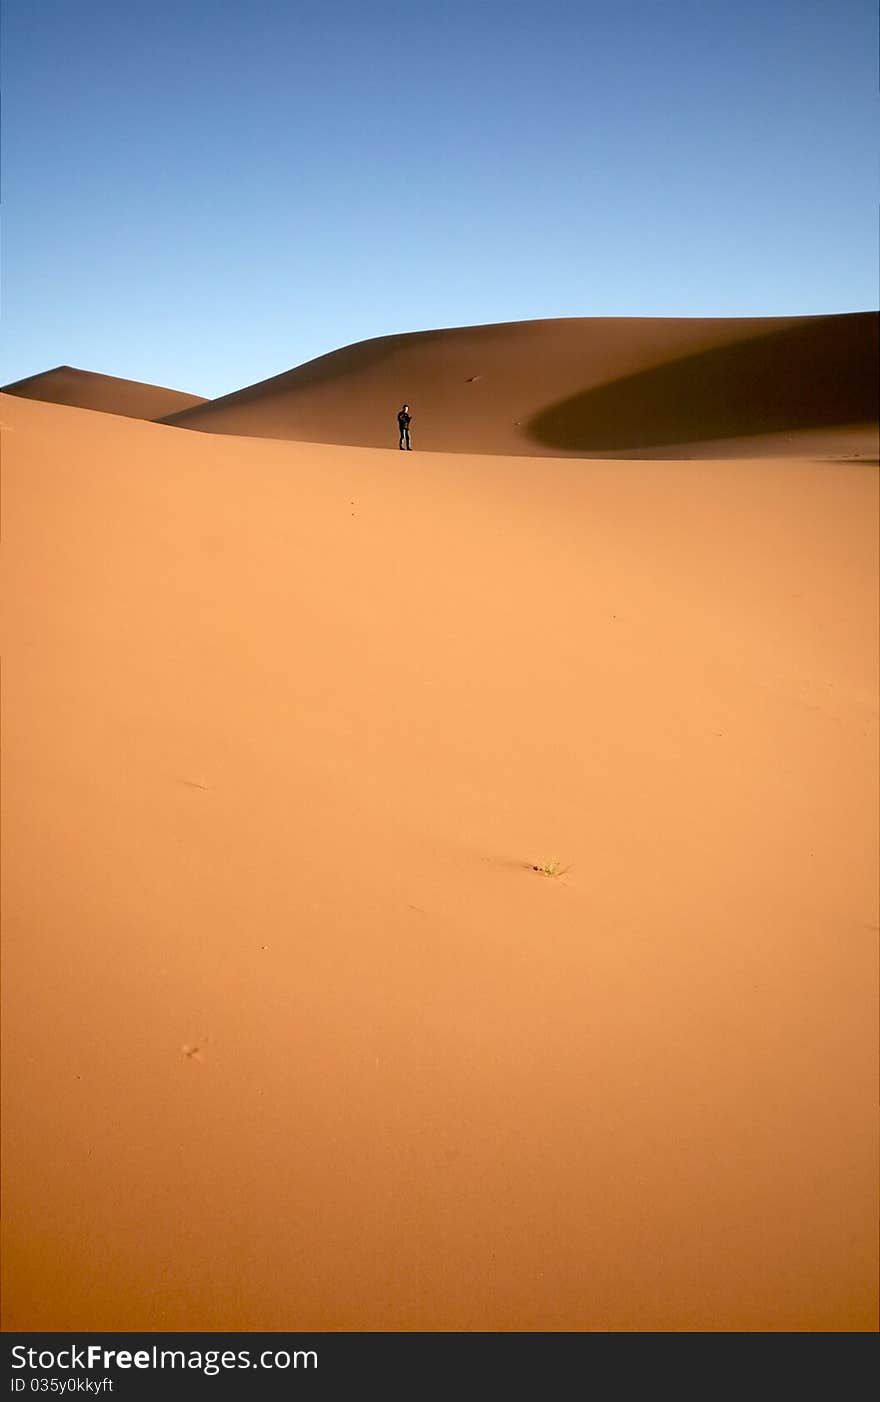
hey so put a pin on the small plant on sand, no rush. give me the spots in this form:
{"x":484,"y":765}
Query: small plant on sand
{"x":552,"y":867}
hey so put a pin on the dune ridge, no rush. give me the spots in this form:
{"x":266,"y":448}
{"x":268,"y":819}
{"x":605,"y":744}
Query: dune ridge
{"x":620,"y":387}
{"x":296,"y":1036}
{"x":84,"y":389}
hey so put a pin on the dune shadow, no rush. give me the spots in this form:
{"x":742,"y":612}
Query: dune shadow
{"x":817,"y":374}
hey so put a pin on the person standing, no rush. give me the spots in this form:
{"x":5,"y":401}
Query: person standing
{"x":404,"y":418}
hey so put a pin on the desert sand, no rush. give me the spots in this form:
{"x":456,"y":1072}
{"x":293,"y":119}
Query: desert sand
{"x":296,"y":1036}
{"x":85,"y":389}
{"x":584,"y":386}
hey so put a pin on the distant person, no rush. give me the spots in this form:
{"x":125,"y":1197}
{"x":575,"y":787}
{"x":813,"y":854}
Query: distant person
{"x":404,"y":419}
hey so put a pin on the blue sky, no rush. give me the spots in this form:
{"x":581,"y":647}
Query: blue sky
{"x":206,"y":192}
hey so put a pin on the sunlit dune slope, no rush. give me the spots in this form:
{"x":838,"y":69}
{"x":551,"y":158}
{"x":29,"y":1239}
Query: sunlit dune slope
{"x":623,"y":387}
{"x":85,"y":390}
{"x":296,"y":1036}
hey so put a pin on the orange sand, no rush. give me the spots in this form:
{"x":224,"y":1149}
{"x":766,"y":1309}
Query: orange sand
{"x":83,"y":389}
{"x":588,"y":386}
{"x":295,"y":1037}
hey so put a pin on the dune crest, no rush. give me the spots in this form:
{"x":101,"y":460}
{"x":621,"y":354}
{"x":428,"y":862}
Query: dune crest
{"x":618,"y":387}
{"x":83,"y":389}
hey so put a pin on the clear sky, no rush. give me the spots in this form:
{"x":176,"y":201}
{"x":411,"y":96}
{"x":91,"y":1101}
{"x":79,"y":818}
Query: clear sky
{"x":202,"y":193}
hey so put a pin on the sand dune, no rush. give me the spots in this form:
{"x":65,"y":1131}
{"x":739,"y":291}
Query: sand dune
{"x":586,"y":386}
{"x":296,"y":1037}
{"x":84,"y":390}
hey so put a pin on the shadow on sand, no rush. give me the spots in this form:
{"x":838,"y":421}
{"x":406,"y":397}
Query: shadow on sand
{"x":814,"y":375}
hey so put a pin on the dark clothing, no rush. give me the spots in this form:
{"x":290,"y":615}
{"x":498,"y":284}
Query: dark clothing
{"x":403,"y":422}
